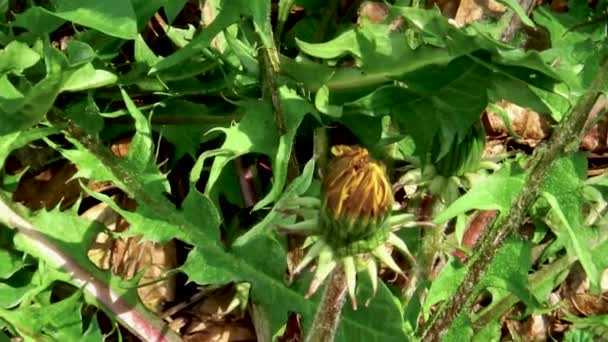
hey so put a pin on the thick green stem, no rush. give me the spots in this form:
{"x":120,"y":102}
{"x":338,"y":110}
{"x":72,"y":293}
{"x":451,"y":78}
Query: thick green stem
{"x":570,"y":130}
{"x":324,"y":326}
{"x":270,"y":70}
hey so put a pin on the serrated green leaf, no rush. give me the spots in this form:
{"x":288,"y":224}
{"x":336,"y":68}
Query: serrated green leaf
{"x":509,"y":270}
{"x":323,"y":105}
{"x":27,"y":111}
{"x":576,"y":239}
{"x":257,"y":132}
{"x":444,"y":286}
{"x":296,"y":188}
{"x":229,"y":14}
{"x":344,"y":44}
{"x":572,"y":49}
{"x":143,"y":54}
{"x":10,"y":262}
{"x":14,"y":289}
{"x":496,"y":192}
{"x":15,"y":140}
{"x":270,"y":290}
{"x":490,"y":332}
{"x":59,"y":321}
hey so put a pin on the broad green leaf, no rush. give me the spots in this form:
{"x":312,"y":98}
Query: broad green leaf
{"x":260,"y":13}
{"x":508,"y":270}
{"x":86,"y":114}
{"x":173,"y":7}
{"x":16,"y":57}
{"x":87,"y":77}
{"x":79,"y":53}
{"x":490,"y":332}
{"x":9,"y":92}
{"x":38,"y":20}
{"x":442,"y":90}
{"x":294,"y":109}
{"x":112,"y":17}
{"x":323,"y":105}
{"x":245,"y":53}
{"x":461,"y":329}
{"x":439,"y":102}
{"x":578,"y":335}
{"x":141,"y":149}
{"x":143,"y":54}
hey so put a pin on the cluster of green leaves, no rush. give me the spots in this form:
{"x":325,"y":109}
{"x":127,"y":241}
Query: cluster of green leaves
{"x":63,"y":71}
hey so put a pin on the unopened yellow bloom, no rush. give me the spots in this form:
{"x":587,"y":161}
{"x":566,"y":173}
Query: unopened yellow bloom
{"x":356,"y":194}
{"x":352,"y":227}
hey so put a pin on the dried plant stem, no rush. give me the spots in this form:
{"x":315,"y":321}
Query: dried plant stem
{"x":515,"y":22}
{"x":564,"y":138}
{"x":134,"y":317}
{"x":326,"y":320}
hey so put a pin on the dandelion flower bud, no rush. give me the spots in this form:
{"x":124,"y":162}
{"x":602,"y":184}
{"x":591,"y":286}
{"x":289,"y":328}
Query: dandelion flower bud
{"x":357,"y":199}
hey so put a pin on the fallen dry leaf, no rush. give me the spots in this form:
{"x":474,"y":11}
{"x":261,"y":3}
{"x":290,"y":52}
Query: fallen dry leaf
{"x":214,"y":320}
{"x":221,"y":332}
{"x":129,"y":256}
{"x":376,"y":13}
{"x":448,"y":7}
{"x":530,"y":126}
{"x":48,"y":188}
{"x":584,"y":304}
{"x":474,"y":10}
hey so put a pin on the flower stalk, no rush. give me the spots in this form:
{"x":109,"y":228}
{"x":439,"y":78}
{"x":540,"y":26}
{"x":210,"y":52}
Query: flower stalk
{"x":327,"y":317}
{"x":349,"y":229}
